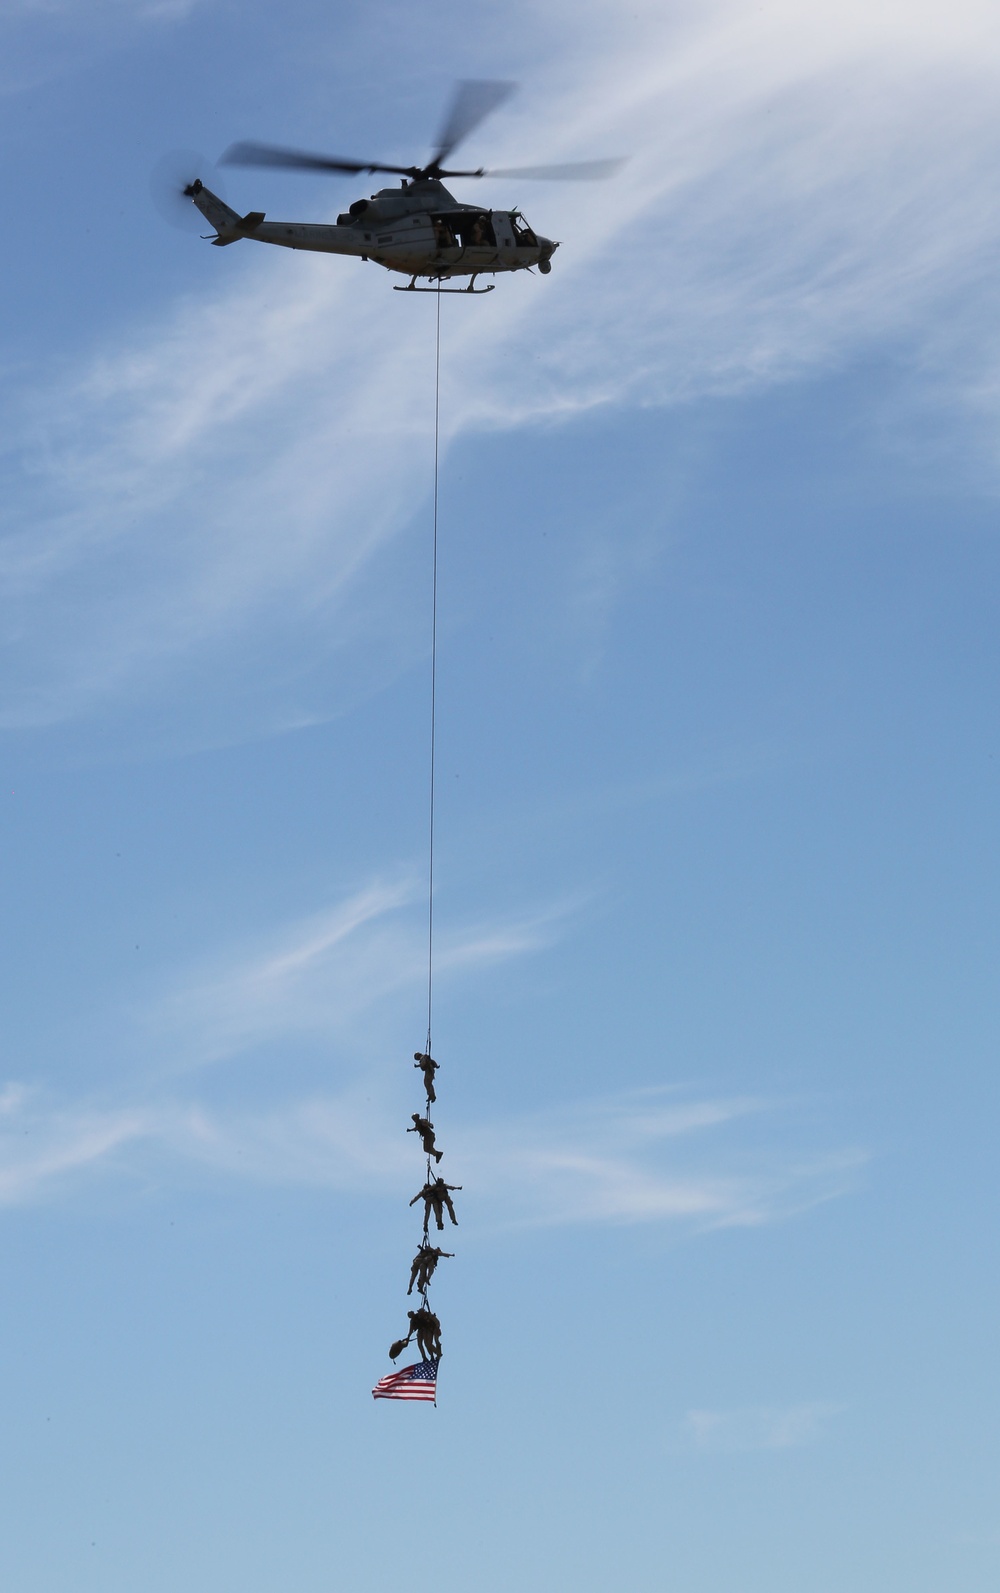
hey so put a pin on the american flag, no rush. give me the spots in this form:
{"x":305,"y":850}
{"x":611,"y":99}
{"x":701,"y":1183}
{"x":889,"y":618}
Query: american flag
{"x":413,"y":1382}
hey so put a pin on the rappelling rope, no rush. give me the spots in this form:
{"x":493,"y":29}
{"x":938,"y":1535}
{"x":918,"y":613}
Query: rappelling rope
{"x":427,"y":1328}
{"x":434,"y":579}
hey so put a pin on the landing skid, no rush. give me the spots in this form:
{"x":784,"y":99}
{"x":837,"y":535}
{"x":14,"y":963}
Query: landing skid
{"x":411,"y":287}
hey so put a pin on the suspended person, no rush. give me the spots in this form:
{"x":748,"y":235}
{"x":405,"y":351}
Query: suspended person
{"x":427,"y":1328}
{"x":424,"y":1266}
{"x":425,"y":1128}
{"x":436,"y":1196}
{"x":428,"y":1068}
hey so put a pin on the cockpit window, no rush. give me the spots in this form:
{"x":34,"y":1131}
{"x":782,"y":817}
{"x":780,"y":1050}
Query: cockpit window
{"x":523,"y":235}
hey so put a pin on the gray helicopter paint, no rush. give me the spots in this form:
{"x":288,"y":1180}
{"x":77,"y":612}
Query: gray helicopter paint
{"x":394,"y":228}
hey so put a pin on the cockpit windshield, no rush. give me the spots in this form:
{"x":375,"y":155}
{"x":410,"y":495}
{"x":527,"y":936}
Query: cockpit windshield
{"x":523,"y":235}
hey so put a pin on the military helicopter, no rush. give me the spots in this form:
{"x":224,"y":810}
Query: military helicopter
{"x":418,"y":229}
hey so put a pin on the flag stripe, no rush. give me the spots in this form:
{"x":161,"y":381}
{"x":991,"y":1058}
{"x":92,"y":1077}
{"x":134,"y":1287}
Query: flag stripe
{"x":413,"y":1382}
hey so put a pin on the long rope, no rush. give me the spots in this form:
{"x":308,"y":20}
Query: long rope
{"x":434,"y":600}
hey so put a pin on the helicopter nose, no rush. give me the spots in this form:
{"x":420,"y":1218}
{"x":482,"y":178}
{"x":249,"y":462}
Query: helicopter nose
{"x":546,"y":249}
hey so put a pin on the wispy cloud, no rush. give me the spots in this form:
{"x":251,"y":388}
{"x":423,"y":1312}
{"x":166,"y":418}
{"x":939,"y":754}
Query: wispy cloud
{"x":318,"y":978}
{"x":651,"y":1156}
{"x":321,"y":975}
{"x":656,"y":1154}
{"x":526,"y":1171}
{"x":41,"y":1145}
{"x":757,"y":1427}
{"x":239,"y":466}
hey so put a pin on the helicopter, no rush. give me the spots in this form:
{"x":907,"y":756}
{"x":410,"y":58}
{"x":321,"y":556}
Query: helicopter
{"x":419,"y":229}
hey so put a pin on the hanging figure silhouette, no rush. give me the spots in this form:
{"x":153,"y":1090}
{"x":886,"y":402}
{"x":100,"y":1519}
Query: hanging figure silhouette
{"x":425,"y":1128}
{"x":436,"y":1196}
{"x":428,"y":1068}
{"x":424,"y":1266}
{"x":427,"y":1328}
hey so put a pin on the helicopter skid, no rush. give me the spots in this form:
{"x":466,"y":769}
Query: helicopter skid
{"x":411,"y":287}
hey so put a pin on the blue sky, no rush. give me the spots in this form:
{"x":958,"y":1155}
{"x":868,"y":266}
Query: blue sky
{"x":718,"y":767}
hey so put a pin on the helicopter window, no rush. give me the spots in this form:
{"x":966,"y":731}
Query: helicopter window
{"x":475,"y":231}
{"x":523,"y":235}
{"x":444,"y":238}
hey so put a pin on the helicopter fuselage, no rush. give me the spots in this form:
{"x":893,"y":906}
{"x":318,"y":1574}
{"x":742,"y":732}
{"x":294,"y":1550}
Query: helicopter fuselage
{"x":418,"y":229}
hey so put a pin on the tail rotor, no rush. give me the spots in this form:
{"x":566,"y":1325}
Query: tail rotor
{"x":174,"y":181}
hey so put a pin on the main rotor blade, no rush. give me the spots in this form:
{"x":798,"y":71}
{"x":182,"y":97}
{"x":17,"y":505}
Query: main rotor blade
{"x":472,"y":103}
{"x":250,"y":154}
{"x":578,"y":171}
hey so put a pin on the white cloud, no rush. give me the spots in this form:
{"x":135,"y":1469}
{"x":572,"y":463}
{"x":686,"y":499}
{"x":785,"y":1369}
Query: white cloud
{"x":660,"y":1154}
{"x":41,"y":1146}
{"x":757,"y":1427}
{"x":526,"y":1171}
{"x":626,"y":1159}
{"x":322,"y":975}
{"x":806,"y":186}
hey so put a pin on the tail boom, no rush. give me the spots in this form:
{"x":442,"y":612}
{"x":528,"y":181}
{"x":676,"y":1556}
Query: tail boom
{"x":231,"y":227}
